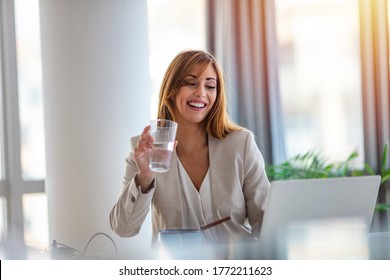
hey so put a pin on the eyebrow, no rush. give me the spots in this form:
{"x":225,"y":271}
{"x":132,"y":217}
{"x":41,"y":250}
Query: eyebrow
{"x":208,"y":79}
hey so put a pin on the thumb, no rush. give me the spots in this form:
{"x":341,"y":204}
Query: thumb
{"x":175,"y":145}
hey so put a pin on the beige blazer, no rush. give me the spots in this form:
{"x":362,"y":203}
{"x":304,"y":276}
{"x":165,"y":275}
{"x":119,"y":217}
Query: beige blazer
{"x":239,"y":187}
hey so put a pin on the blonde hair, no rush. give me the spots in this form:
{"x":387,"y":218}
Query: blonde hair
{"x":217,"y":122}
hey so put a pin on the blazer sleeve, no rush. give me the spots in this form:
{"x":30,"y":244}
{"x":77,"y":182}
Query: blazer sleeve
{"x":256,"y":184}
{"x":132,"y":206}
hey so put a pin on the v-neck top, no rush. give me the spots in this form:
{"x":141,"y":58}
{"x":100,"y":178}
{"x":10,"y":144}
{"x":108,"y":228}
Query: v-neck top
{"x":199,"y":202}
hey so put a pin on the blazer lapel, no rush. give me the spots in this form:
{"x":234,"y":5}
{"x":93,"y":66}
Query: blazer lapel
{"x":212,"y":152}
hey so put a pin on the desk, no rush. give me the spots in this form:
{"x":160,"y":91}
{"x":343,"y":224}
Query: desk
{"x":378,"y":245}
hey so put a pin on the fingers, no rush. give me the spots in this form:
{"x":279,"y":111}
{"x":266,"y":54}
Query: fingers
{"x":146,"y":129}
{"x":145,"y":140}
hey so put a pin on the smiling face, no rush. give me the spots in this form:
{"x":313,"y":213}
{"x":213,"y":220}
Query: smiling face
{"x":197,"y":95}
{"x":188,"y":72}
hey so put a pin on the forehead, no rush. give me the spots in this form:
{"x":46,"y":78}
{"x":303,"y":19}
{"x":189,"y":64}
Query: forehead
{"x":203,"y":69}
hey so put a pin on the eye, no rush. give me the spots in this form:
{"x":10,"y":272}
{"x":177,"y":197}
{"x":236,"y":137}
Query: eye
{"x":211,"y":86}
{"x":190,"y":83}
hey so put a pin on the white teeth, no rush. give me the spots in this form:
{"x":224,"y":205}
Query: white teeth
{"x":197,"y":105}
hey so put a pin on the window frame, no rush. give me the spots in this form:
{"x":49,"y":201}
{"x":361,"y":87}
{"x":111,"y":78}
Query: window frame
{"x":12,"y":186}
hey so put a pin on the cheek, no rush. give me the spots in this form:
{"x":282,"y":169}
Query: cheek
{"x":179,"y":103}
{"x":212,"y":99}
{"x":180,"y":97}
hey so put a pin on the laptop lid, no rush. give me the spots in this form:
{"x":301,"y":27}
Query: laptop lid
{"x":296,"y":201}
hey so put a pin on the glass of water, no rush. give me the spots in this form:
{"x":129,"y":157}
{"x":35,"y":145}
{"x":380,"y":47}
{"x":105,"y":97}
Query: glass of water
{"x":164,"y":134}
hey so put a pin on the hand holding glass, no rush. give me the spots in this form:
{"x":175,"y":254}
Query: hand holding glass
{"x":164,"y":134}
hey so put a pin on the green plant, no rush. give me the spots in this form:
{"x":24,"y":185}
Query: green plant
{"x":314,"y":165}
{"x":311,"y":165}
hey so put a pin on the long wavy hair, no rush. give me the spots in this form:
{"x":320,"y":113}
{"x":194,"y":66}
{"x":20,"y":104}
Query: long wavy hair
{"x":217,"y":123}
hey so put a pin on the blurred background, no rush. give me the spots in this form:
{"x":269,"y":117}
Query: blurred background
{"x":302,"y":75}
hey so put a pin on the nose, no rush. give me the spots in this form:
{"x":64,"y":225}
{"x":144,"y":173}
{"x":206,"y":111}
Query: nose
{"x":200,"y":92}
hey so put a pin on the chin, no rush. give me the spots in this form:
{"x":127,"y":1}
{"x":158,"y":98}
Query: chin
{"x":196,"y":121}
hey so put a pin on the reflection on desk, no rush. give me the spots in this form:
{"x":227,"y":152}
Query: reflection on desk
{"x":378,"y":248}
{"x":379,"y":244}
{"x":320,"y":239}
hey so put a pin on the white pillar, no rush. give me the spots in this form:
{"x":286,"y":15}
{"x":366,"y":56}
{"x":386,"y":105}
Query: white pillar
{"x":96,"y":96}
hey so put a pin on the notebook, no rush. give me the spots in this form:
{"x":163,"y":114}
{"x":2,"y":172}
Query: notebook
{"x":296,"y":201}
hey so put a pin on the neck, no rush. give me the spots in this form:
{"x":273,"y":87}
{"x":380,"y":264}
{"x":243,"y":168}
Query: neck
{"x":191,"y":138}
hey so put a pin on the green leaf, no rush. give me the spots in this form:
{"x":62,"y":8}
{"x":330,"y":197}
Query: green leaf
{"x":382,"y":207}
{"x":353,"y":156}
{"x":357,"y":173}
{"x":385,"y":178}
{"x":369,"y":169}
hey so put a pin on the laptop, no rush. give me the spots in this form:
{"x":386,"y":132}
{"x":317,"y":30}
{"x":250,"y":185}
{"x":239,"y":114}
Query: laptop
{"x":296,"y":202}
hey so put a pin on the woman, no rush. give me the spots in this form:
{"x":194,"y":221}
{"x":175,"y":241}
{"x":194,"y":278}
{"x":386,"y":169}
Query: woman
{"x":216,"y":170}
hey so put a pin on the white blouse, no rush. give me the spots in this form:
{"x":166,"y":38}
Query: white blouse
{"x":199,"y":203}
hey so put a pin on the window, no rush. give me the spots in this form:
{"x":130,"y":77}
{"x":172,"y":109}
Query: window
{"x":320,"y":77}
{"x":32,"y":144}
{"x":23,"y":165}
{"x":36,"y":234}
{"x":30,"y":89}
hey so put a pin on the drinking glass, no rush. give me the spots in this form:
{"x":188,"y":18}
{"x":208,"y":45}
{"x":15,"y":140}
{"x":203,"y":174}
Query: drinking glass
{"x":164,"y":134}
